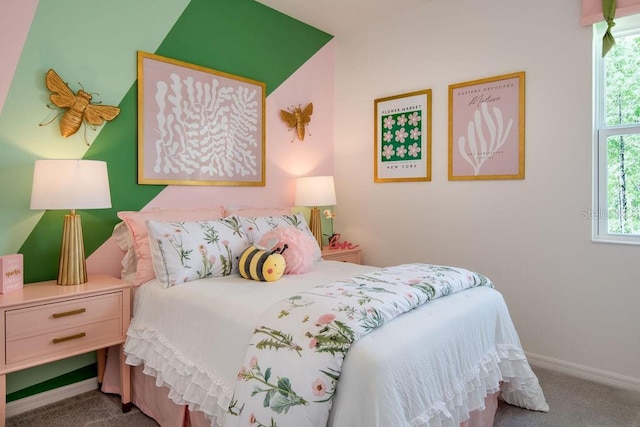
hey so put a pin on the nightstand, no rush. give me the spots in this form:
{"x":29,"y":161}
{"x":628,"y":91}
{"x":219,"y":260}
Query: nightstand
{"x":344,"y":255}
{"x":44,"y":322}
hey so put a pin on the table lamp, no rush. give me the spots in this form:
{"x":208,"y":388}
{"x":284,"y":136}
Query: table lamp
{"x":315,"y":191}
{"x":71,"y":184}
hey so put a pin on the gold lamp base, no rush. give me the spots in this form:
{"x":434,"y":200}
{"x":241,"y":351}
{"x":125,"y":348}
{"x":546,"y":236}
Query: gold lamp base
{"x":315,"y":225}
{"x":73,"y":269}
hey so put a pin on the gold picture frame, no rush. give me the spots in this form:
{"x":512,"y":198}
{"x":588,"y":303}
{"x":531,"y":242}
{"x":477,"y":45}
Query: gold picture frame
{"x":402,"y":129}
{"x":198,"y":126}
{"x":486,"y":128}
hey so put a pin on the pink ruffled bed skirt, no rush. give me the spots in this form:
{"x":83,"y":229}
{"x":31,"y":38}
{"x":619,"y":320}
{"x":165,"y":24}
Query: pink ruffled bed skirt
{"x":154,"y":401}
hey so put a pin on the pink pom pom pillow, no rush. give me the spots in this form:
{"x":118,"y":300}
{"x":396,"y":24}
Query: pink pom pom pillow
{"x":301,"y":252}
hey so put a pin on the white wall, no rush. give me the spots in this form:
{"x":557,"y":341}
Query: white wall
{"x":574,"y":302}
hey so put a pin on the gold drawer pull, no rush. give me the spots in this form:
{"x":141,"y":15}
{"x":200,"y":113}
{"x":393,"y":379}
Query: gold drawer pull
{"x":69,"y":313}
{"x":69,"y":338}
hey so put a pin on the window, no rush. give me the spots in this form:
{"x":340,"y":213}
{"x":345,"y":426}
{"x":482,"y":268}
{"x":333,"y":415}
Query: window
{"x":616,"y":213}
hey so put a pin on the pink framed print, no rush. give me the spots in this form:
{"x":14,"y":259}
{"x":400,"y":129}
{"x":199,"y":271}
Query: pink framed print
{"x":486,"y":128}
{"x":198,"y":126}
{"x":402,"y":127}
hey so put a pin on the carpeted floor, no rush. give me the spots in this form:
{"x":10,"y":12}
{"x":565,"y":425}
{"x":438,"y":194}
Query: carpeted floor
{"x":94,"y":409}
{"x":573,"y":402}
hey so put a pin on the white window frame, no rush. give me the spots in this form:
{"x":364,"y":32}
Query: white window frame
{"x":599,"y":215}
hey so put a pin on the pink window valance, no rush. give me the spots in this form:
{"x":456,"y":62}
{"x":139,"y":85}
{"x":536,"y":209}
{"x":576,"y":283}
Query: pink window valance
{"x":592,"y":10}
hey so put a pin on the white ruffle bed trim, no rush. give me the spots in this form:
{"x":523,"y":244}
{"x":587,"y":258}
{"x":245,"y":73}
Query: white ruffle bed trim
{"x":191,"y":385}
{"x":505,"y":363}
{"x":188,"y":383}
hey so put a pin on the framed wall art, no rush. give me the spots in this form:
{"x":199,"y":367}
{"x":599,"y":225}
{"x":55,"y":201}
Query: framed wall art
{"x":486,"y":128}
{"x":198,"y":126}
{"x":402,"y":128}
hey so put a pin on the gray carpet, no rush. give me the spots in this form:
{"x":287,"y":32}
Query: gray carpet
{"x":573,"y":402}
{"x":94,"y":409}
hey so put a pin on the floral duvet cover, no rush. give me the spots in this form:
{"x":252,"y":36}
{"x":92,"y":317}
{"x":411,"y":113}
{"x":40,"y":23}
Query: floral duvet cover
{"x":292,"y":366}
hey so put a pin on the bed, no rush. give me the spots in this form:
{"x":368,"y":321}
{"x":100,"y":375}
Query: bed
{"x":443,"y":362}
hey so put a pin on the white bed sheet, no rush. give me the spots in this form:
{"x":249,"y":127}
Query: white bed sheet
{"x":428,"y":367}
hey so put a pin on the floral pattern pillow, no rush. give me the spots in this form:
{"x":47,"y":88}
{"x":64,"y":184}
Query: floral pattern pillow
{"x":189,"y":250}
{"x":139,"y":235}
{"x":257,"y":227}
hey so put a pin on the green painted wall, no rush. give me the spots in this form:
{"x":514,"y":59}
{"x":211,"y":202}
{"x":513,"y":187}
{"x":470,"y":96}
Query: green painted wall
{"x":90,"y":42}
{"x":100,"y":39}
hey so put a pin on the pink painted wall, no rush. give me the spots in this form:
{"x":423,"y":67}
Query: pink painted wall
{"x":15,"y":20}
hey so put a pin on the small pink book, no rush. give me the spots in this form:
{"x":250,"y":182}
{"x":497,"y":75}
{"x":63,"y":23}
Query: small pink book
{"x":11,"y":277}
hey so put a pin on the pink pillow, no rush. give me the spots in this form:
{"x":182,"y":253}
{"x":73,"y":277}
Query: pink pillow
{"x":301,"y":253}
{"x":136,"y":223}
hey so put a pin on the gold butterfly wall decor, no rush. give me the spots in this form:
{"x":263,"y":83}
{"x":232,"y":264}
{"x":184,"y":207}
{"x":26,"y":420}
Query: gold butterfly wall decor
{"x":298,"y":119}
{"x":76,"y":107}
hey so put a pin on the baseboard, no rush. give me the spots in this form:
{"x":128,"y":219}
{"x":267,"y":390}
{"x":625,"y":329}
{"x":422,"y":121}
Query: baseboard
{"x":584,"y":372}
{"x":17,"y":407}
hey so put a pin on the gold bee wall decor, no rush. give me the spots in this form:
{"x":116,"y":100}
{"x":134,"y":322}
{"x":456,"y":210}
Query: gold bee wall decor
{"x":298,"y":119}
{"x":75,"y":107}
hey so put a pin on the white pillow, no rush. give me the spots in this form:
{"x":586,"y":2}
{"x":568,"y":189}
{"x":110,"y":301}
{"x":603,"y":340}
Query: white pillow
{"x":182,"y":251}
{"x":257,"y":227}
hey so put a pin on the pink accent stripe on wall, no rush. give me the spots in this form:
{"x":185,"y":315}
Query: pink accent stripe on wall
{"x":15,"y":21}
{"x":592,"y":10}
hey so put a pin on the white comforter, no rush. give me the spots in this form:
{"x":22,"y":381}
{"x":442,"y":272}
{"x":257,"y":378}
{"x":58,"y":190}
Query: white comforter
{"x":437,"y":363}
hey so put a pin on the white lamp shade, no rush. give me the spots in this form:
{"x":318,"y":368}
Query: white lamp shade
{"x":315,"y":191}
{"x":70,"y":184}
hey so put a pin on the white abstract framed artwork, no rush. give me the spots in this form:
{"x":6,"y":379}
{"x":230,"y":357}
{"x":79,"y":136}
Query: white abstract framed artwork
{"x":486,"y":128}
{"x":198,"y":126}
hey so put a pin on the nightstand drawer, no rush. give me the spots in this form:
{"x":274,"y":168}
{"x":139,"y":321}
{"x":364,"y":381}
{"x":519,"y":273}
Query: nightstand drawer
{"x":59,"y":316}
{"x":353,"y":257}
{"x":75,"y":339}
